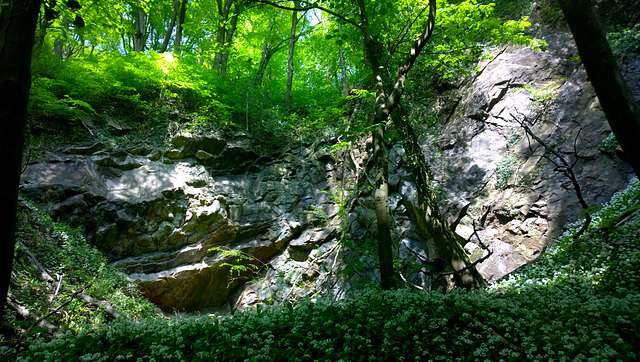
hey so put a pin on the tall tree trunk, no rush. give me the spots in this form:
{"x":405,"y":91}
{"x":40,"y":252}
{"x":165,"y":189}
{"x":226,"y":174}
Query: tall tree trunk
{"x":172,"y":24}
{"x":618,"y":105}
{"x":139,"y":38}
{"x":17,"y":28}
{"x":292,"y":46}
{"x":343,"y":67}
{"x":226,"y":29}
{"x":264,"y":61}
{"x":177,"y":40}
{"x":227,"y":43}
{"x":381,"y":115}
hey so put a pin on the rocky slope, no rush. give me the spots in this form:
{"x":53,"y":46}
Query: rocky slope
{"x":158,"y":214}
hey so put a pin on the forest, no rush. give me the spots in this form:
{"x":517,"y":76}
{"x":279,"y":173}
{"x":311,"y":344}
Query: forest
{"x":200,"y":180}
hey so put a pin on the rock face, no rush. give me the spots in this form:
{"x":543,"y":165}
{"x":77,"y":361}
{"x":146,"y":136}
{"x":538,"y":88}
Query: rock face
{"x":159,"y":215}
{"x":181,"y":220}
{"x":519,"y":199}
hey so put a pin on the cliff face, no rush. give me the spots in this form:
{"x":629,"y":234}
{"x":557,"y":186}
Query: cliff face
{"x":519,"y":194}
{"x":158,"y":214}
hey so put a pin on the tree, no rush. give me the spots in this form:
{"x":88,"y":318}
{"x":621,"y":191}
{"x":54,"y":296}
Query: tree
{"x":17,"y":29}
{"x":172,"y":24}
{"x":389,"y":89}
{"x":292,"y":44}
{"x":618,"y":105}
{"x":226,"y":29}
{"x":177,"y":39}
{"x":139,"y":36}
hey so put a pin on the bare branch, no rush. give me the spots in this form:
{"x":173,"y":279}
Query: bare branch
{"x":564,"y":167}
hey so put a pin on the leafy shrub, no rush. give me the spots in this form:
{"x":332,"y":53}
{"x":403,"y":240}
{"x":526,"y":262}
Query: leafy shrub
{"x":609,"y":144}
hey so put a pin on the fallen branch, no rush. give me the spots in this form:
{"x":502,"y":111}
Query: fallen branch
{"x":26,"y":314}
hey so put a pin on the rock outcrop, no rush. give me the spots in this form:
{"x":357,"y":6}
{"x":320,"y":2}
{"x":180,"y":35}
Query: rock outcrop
{"x":177,"y":220}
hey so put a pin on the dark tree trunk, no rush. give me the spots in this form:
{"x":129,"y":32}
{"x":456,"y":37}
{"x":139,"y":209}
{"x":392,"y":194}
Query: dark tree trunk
{"x":41,"y":35}
{"x":17,"y":29}
{"x":621,"y":110}
{"x":139,"y":38}
{"x":177,"y":40}
{"x":172,"y":24}
{"x":264,"y":61}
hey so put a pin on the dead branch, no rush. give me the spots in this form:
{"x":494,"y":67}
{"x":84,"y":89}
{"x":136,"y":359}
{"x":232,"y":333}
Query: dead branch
{"x":563,"y":166}
{"x":26,"y":314}
{"x":44,"y":275}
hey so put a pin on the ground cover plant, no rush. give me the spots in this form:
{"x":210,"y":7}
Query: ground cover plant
{"x":579,"y":301}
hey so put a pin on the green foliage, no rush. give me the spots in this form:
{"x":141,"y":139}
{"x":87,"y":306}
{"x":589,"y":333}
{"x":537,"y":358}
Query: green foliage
{"x":609,"y":144}
{"x":504,"y":170}
{"x":625,"y":42}
{"x":241,"y":264}
{"x":541,"y":95}
{"x":143,"y":91}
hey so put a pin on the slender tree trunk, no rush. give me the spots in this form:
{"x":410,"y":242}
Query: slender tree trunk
{"x":177,"y":40}
{"x":172,"y":24}
{"x":618,"y":105}
{"x":383,"y":217}
{"x":227,"y":42}
{"x":264,"y":60}
{"x":139,"y":38}
{"x":292,"y":46}
{"x":40,"y":36}
{"x":224,"y":36}
{"x":18,"y":22}
{"x":343,"y":67}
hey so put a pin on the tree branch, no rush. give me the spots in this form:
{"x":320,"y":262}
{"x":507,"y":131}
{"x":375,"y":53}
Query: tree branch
{"x":407,"y":64}
{"x":564,"y":167}
{"x":341,"y":17}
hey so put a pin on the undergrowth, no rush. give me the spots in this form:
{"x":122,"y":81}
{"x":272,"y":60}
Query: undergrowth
{"x":579,"y":301}
{"x":63,"y":254}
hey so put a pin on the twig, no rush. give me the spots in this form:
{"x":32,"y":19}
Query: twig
{"x":413,"y":285}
